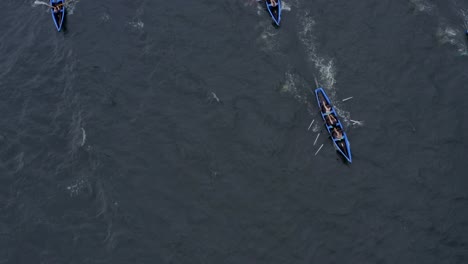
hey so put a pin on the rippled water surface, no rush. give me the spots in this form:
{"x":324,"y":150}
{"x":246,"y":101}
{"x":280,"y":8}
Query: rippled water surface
{"x":180,"y":132}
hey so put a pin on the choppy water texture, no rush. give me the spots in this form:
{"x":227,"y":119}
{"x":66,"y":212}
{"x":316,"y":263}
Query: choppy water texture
{"x":178,"y":132}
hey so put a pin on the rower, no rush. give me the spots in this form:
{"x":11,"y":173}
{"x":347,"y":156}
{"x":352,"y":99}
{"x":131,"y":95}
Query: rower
{"x":331,"y":120}
{"x":273,"y":3}
{"x":57,"y":8}
{"x":337,"y":134}
{"x":327,"y":108}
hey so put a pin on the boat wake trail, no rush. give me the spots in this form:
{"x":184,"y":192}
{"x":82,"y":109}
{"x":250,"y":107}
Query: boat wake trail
{"x":137,"y":24}
{"x":326,"y":69}
{"x":325,"y":66}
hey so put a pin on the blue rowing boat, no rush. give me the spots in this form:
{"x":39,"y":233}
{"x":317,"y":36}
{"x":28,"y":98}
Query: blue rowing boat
{"x":333,"y":125}
{"x":58,"y":16}
{"x":275,"y":11}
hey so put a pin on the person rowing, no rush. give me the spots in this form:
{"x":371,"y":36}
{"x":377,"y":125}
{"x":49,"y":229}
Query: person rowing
{"x":337,"y":134}
{"x":331,"y":120}
{"x":57,"y":8}
{"x":327,"y":108}
{"x":273,"y":3}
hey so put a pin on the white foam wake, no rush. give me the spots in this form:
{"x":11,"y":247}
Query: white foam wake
{"x":326,"y":69}
{"x":325,"y":66}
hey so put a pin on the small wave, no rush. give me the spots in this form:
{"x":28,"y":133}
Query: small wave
{"x":20,"y":159}
{"x":464,"y":15}
{"x":316,"y":128}
{"x":137,"y":24}
{"x":422,"y":5}
{"x":71,"y":5}
{"x":75,"y":188}
{"x":285,"y":6}
{"x":105,"y":17}
{"x":268,"y":43}
{"x":290,"y":85}
{"x":448,"y":35}
{"x":260,"y":10}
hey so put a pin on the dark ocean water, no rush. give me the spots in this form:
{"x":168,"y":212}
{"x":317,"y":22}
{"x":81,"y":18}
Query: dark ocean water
{"x":177,"y":132}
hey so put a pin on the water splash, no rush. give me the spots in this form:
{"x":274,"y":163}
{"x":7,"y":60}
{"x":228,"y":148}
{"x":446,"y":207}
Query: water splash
{"x":137,"y":24}
{"x":285,"y":6}
{"x":69,"y":5}
{"x":77,"y":133}
{"x":423,"y":5}
{"x":20,"y":160}
{"x":316,"y":128}
{"x":75,"y":188}
{"x":105,"y":17}
{"x":449,"y":35}
{"x":345,"y":117}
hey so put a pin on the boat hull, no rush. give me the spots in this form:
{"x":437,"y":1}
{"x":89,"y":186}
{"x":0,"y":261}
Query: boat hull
{"x":342,"y":145}
{"x":59,"y":16}
{"x":275,"y":12}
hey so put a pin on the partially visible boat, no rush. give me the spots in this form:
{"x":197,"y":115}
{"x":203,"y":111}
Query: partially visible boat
{"x":341,"y":144}
{"x":58,"y":16}
{"x":275,"y":11}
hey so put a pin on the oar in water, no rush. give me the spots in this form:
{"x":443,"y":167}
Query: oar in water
{"x":42,"y":3}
